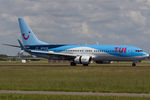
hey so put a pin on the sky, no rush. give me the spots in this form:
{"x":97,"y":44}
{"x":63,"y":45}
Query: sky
{"x":116,"y":22}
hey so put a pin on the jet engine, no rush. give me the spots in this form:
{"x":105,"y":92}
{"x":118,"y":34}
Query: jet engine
{"x":82,"y":60}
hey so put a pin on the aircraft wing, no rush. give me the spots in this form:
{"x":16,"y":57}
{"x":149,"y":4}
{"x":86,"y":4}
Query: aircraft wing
{"x":56,"y":54}
{"x":53,"y":53}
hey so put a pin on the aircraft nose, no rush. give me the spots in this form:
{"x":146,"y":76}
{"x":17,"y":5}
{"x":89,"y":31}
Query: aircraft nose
{"x":146,"y":54}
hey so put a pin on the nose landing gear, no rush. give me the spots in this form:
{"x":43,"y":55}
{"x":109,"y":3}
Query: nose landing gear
{"x":133,"y":64}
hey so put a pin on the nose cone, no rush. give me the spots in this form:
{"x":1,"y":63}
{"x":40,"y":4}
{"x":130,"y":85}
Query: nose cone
{"x":145,"y":54}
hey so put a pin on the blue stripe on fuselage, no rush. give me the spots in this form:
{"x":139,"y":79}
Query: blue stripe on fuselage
{"x":117,"y":50}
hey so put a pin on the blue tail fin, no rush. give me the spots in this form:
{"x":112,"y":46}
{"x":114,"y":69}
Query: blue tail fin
{"x":28,"y":37}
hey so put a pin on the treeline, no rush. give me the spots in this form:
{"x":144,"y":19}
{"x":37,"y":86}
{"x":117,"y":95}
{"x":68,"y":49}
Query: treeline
{"x":3,"y":55}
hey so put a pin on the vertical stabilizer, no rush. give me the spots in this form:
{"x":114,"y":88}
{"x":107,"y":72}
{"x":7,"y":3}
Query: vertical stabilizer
{"x":28,"y":37}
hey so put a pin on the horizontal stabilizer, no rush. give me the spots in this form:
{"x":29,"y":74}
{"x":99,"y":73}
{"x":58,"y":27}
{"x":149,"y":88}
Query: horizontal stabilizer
{"x":11,"y":45}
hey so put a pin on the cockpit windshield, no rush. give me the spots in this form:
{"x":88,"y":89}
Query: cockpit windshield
{"x":139,"y":50}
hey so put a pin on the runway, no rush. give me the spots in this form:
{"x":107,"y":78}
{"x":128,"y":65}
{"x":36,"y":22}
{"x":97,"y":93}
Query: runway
{"x":77,"y":93}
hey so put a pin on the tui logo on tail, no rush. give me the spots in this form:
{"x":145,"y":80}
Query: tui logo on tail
{"x":26,"y":38}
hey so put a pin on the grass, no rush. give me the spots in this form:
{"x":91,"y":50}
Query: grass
{"x":33,"y":63}
{"x":145,"y":63}
{"x":63,"y":97}
{"x":91,"y":79}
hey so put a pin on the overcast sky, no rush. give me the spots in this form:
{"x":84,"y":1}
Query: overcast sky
{"x":123,"y":22}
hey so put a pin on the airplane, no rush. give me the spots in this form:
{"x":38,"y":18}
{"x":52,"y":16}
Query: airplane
{"x":76,"y":53}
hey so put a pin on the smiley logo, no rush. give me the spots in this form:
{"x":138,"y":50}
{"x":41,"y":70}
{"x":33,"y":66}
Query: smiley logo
{"x":26,"y":38}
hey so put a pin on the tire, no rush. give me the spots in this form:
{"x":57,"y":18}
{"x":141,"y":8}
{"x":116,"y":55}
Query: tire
{"x":133,"y":64}
{"x":72,"y":64}
{"x":85,"y":64}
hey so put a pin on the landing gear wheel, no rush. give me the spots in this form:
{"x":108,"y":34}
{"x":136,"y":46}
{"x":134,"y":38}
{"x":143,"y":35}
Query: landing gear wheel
{"x":72,"y":64}
{"x":85,"y":64}
{"x":133,"y":64}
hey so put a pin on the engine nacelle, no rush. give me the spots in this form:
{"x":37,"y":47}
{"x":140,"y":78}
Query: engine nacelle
{"x":103,"y":62}
{"x":83,"y":59}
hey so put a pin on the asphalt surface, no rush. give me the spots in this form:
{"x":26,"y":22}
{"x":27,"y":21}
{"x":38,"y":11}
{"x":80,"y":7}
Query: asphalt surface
{"x":77,"y":93}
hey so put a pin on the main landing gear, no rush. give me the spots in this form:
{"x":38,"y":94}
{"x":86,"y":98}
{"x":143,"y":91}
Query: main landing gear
{"x":85,"y":64}
{"x":74,"y":64}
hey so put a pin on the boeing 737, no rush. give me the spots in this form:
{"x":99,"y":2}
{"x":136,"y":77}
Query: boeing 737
{"x":78,"y":54}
